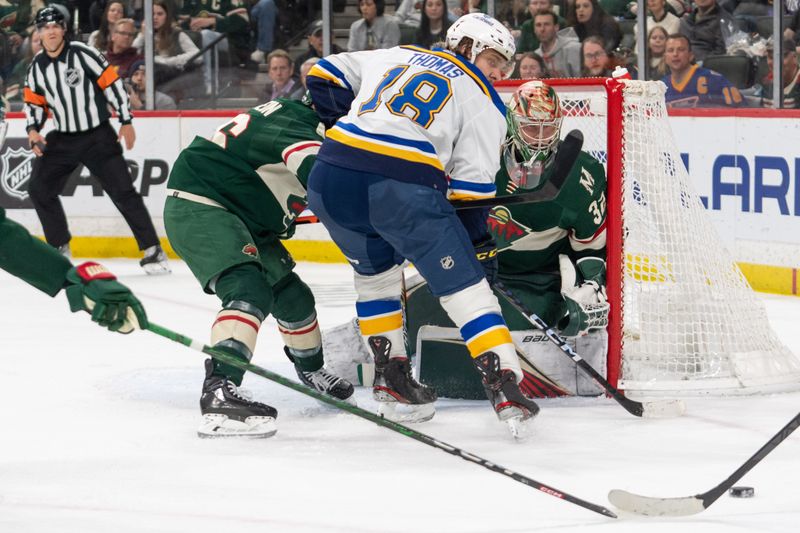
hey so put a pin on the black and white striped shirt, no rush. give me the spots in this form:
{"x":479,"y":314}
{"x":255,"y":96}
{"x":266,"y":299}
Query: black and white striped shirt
{"x":77,"y":86}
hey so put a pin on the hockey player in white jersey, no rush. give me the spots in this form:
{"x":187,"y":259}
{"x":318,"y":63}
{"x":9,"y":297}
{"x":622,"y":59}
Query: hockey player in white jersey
{"x":408,"y":129}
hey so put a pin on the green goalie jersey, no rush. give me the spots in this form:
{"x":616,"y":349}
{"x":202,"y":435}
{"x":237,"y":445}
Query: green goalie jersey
{"x":256,"y":166}
{"x":531,"y":236}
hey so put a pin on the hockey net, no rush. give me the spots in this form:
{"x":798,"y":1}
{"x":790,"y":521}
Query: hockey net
{"x":684,"y":320}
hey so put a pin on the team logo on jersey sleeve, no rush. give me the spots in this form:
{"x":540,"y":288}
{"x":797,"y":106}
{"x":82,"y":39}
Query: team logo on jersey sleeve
{"x":504,"y":228}
{"x":73,"y":77}
{"x":250,"y":249}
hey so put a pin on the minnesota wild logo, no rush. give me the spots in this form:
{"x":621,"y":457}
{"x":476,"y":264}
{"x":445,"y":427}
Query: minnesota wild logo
{"x":504,"y":228}
{"x":294,"y":206}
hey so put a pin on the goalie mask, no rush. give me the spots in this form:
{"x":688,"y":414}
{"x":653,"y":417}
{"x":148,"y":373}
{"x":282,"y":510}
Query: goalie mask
{"x":533,"y":117}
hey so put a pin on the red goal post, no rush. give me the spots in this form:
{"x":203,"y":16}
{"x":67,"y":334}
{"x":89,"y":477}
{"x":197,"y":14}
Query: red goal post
{"x":683,"y":318}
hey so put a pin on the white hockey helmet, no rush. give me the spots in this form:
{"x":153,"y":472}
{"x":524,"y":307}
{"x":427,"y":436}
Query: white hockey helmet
{"x":486,"y":33}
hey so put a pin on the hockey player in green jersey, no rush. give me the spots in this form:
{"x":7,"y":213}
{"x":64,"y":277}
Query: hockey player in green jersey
{"x":89,"y":286}
{"x":230,"y":201}
{"x":540,"y":245}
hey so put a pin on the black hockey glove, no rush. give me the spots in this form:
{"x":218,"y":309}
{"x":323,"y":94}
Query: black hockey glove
{"x":486,"y":252}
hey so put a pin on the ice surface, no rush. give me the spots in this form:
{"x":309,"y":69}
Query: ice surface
{"x":98,"y":436}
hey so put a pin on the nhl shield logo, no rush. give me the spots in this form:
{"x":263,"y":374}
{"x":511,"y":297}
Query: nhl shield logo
{"x":72,"y":77}
{"x":16,"y":175}
{"x":447,"y":262}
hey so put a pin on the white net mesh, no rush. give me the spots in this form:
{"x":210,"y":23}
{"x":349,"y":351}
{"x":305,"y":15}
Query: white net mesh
{"x":690,"y":322}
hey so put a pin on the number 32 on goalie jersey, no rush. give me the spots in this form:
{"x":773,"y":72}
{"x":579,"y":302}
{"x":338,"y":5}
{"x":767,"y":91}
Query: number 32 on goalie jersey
{"x":423,"y":94}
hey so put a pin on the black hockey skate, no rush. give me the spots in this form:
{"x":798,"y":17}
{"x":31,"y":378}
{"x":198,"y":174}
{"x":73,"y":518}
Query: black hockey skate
{"x":324,"y":381}
{"x":394,"y":386}
{"x":227,"y":413}
{"x":509,"y":402}
{"x":154,"y":261}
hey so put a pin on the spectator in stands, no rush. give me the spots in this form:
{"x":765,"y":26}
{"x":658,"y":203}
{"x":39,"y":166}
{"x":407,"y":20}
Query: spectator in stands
{"x":373,"y":30}
{"x":528,"y":41}
{"x":704,"y":28}
{"x":792,"y":31}
{"x":121,"y":53}
{"x":656,"y":44}
{"x":588,"y":18}
{"x":282,"y":84}
{"x":561,"y":55}
{"x":172,"y":47}
{"x":531,"y":67}
{"x":305,"y":67}
{"x":514,"y":13}
{"x":264,"y":14}
{"x":791,"y":77}
{"x":616,"y":8}
{"x":101,"y":37}
{"x":30,"y":47}
{"x":434,"y":24}
{"x":595,"y":58}
{"x":690,"y":85}
{"x":314,"y":47}
{"x":136,"y":90}
{"x":659,"y":15}
{"x":409,"y":13}
{"x":213,"y":19}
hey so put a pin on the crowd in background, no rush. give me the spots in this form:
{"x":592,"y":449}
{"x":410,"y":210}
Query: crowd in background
{"x":708,"y":52}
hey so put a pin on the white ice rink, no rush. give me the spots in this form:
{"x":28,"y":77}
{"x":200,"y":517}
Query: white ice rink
{"x":98,"y":436}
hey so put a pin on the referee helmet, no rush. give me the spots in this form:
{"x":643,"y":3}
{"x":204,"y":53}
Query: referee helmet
{"x":50,"y":14}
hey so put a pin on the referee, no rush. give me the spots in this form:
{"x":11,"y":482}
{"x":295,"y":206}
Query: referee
{"x":76,"y":84}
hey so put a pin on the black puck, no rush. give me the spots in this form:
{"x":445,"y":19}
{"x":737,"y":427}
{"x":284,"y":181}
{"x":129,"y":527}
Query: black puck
{"x":742,"y":492}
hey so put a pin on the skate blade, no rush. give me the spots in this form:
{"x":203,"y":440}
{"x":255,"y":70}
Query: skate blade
{"x":404,"y":413}
{"x":518,"y":420}
{"x":220,"y":426}
{"x":156,"y":269}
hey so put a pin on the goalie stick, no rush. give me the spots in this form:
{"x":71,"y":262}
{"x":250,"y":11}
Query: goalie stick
{"x":656,"y":409}
{"x":689,"y":505}
{"x":379,"y":420}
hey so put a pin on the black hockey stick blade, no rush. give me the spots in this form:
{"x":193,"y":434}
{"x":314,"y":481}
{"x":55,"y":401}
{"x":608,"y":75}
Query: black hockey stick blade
{"x":377,"y":419}
{"x":565,"y":158}
{"x":689,"y":505}
{"x":654,"y":409}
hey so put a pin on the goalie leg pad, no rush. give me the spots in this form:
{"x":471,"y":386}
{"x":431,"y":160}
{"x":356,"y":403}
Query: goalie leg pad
{"x":476,"y":312}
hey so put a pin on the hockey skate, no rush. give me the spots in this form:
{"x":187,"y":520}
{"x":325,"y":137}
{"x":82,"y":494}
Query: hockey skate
{"x":509,"y":402}
{"x":154,"y":261}
{"x":227,"y":413}
{"x":400,"y":397}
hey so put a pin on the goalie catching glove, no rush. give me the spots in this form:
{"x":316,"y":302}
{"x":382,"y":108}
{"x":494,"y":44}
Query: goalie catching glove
{"x":92,"y":288}
{"x":587,"y":305}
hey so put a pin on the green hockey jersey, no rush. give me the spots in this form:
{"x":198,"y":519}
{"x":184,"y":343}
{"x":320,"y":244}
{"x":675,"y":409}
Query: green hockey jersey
{"x":256,"y":166}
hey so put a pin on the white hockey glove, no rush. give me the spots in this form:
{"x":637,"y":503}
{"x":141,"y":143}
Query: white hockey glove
{"x":587,"y":305}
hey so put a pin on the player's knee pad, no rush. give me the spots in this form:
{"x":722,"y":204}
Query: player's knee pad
{"x":384,"y":286}
{"x":236,"y":327}
{"x":293,"y":300}
{"x":245,"y":282}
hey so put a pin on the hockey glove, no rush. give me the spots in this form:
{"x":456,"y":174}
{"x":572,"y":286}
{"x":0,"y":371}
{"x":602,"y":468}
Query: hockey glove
{"x":587,"y":306}
{"x":92,"y":288}
{"x":486,"y":252}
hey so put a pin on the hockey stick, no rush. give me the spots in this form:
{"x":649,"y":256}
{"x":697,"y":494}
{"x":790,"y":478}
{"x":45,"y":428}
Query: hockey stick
{"x":565,"y":158}
{"x":379,"y":420}
{"x":649,"y":506}
{"x":656,"y":409}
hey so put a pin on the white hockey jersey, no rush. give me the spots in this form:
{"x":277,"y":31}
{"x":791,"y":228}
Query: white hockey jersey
{"x":419,"y":115}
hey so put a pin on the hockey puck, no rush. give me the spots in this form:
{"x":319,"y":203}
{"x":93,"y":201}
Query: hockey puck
{"x":742,"y":492}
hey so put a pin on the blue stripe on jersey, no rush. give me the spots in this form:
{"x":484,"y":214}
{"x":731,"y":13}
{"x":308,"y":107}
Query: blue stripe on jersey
{"x":331,"y":68}
{"x":423,"y":146}
{"x":346,"y":156}
{"x":377,"y":307}
{"x":482,"y":323}
{"x":473,"y":71}
{"x":479,"y":188}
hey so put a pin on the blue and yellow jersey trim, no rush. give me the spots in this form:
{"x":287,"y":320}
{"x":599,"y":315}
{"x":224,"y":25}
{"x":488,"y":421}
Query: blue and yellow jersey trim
{"x":329,"y":72}
{"x":377,"y":317}
{"x":388,"y":145}
{"x":469,"y":69}
{"x":467,"y":190}
{"x":485,"y":333}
